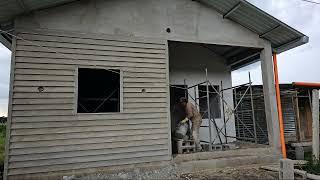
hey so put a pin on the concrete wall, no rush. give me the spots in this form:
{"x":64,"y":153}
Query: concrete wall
{"x":188,"y":61}
{"x":188,"y":21}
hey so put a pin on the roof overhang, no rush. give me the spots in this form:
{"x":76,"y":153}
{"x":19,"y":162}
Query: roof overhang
{"x":10,"y":9}
{"x":281,"y":36}
{"x":5,"y":38}
{"x":5,"y":41}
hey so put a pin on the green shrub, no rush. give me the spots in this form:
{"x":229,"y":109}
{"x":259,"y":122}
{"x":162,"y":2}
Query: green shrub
{"x":2,"y":142}
{"x":313,"y":166}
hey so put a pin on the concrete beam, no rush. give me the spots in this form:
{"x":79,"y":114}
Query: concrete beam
{"x":270,"y":98}
{"x":315,"y":124}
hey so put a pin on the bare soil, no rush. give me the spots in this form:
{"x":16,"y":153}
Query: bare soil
{"x":239,"y":173}
{"x":252,"y":172}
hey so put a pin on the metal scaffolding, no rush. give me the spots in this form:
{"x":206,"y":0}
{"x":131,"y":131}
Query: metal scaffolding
{"x":229,"y":111}
{"x":252,"y":112}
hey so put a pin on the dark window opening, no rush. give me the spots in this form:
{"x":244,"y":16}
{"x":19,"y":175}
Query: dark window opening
{"x":214,"y":101}
{"x":177,"y":112}
{"x":177,"y":92}
{"x":98,"y":90}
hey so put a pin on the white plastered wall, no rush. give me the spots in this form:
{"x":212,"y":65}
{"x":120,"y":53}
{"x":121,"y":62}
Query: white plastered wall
{"x":188,"y":62}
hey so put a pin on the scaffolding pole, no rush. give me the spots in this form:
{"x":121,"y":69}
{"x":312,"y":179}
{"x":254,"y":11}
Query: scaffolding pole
{"x":209,"y":112}
{"x":195,"y":95}
{"x":237,"y":123}
{"x":185,"y":92}
{"x":252,"y":111}
{"x":224,"y":118}
{"x":233,"y":110}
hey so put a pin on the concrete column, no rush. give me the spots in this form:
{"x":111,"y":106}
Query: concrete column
{"x":315,"y":124}
{"x":286,"y":171}
{"x":270,"y":98}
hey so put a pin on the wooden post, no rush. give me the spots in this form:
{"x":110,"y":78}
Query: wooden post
{"x":297,"y":113}
{"x":315,"y":124}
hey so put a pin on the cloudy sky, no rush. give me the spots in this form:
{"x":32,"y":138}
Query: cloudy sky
{"x":4,"y":79}
{"x":300,"y":64}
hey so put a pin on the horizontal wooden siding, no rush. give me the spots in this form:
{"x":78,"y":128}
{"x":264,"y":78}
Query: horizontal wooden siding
{"x":47,"y":135}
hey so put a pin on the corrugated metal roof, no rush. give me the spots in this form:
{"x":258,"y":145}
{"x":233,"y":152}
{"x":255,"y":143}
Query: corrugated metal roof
{"x":11,"y":8}
{"x":281,"y":36}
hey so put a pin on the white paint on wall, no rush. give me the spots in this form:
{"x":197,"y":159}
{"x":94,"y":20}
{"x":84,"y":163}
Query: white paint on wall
{"x":188,"y":62}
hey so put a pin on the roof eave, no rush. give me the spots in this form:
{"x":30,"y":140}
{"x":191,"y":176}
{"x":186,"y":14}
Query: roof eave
{"x":270,"y":33}
{"x":5,"y":29}
{"x":292,"y":44}
{"x":5,"y":42}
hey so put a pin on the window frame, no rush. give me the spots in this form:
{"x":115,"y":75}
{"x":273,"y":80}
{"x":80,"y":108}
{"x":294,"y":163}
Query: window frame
{"x":75,"y":109}
{"x":219,"y":102}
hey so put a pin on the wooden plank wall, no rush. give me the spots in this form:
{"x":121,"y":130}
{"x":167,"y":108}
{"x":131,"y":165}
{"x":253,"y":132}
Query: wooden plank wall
{"x":47,"y":135}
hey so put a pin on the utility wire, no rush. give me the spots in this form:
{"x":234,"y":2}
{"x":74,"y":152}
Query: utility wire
{"x":311,"y":2}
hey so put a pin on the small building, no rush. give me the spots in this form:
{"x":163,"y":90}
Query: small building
{"x":296,"y":103}
{"x":90,"y":80}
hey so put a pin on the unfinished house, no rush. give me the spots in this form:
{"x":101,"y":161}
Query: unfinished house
{"x":296,"y":103}
{"x":94,"y":83}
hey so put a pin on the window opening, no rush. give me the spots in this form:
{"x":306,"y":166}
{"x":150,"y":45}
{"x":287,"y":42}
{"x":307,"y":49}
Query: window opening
{"x":98,"y":90}
{"x":214,"y":100}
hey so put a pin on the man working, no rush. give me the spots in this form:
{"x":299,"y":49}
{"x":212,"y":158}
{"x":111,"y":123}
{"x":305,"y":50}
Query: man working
{"x":192,"y":114}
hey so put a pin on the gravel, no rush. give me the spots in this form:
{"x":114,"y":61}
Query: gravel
{"x":171,"y":172}
{"x":168,"y":172}
{"x":240,"y":173}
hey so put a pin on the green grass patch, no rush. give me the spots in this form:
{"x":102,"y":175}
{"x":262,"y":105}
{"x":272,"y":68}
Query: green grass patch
{"x":313,"y":166}
{"x":2,"y":142}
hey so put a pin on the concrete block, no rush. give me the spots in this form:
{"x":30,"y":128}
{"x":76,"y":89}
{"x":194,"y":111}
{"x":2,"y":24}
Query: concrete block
{"x":286,"y":171}
{"x":229,"y":147}
{"x":185,"y":146}
{"x":299,"y":151}
{"x":217,"y":147}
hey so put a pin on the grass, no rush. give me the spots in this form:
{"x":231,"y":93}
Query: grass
{"x":2,"y":146}
{"x":313,"y":166}
{"x":2,"y":142}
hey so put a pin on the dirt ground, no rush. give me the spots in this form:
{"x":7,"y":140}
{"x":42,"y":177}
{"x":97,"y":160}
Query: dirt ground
{"x":239,"y":173}
{"x":252,"y":172}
